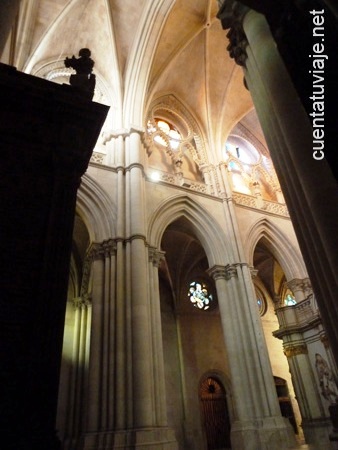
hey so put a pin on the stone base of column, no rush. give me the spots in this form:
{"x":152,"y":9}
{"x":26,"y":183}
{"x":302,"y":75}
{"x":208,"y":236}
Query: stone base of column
{"x":273,"y":433}
{"x":145,"y":438}
{"x":317,"y":433}
{"x":334,"y":419}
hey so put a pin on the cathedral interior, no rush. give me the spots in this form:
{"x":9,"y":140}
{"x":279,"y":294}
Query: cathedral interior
{"x":198,"y":311}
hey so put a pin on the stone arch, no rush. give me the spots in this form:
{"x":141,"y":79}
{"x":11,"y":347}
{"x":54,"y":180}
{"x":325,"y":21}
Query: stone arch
{"x":207,"y":230}
{"x":219,"y":375}
{"x":141,"y":56}
{"x":280,"y":246}
{"x":96,"y":209}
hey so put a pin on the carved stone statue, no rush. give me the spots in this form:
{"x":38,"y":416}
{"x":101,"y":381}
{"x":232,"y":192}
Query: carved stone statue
{"x":84,"y":79}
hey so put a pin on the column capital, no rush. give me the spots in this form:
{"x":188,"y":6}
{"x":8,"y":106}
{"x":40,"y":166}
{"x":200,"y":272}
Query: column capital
{"x":295,"y":285}
{"x":83,"y":301}
{"x":253,"y":271}
{"x":223,"y":272}
{"x":325,"y":341}
{"x":231,"y":15}
{"x":294,"y":350}
{"x":155,"y":256}
{"x":103,"y":249}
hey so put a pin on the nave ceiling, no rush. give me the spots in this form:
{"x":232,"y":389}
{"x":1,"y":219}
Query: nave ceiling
{"x":162,"y":47}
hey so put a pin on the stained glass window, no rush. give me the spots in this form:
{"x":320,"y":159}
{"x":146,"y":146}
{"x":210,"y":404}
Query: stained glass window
{"x":164,"y":134}
{"x":289,"y":300}
{"x":199,"y":295}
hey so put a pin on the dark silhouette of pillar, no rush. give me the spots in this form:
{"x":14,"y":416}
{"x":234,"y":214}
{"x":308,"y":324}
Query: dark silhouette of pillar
{"x":309,"y":186}
{"x":47,"y":134}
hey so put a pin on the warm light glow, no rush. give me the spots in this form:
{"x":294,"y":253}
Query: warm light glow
{"x":155,"y":176}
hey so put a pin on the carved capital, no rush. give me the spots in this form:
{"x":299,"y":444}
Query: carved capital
{"x":82,"y":302}
{"x":231,"y":15}
{"x":155,"y":256}
{"x":223,"y":272}
{"x":325,"y":340}
{"x":102,"y":250}
{"x":295,"y":350}
{"x":253,"y":271}
{"x":295,"y":285}
{"x":307,"y":287}
{"x":217,"y":272}
{"x":109,"y":247}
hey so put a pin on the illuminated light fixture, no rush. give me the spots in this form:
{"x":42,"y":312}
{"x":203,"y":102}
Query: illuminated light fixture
{"x":155,"y":176}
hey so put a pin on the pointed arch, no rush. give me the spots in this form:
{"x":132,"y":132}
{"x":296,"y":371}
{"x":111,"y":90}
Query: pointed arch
{"x":96,"y":209}
{"x":285,"y":252}
{"x":186,"y":121}
{"x":139,"y":63}
{"x":209,"y":233}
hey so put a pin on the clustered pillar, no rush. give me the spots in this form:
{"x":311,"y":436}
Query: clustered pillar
{"x":126,"y":405}
{"x":258,"y":419}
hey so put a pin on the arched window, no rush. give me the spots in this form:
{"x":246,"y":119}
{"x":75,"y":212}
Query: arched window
{"x":289,"y":300}
{"x":164,"y":134}
{"x":261,"y":301}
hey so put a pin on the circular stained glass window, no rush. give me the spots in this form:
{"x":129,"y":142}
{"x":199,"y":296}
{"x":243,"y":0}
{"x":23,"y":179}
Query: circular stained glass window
{"x":199,"y":295}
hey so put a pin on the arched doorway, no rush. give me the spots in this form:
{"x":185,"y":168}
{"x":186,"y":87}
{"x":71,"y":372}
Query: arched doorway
{"x":215,"y":414}
{"x":285,"y":401}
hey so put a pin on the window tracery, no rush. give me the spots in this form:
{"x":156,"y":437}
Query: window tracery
{"x":251,"y":171}
{"x":199,"y":295}
{"x":171,"y":130}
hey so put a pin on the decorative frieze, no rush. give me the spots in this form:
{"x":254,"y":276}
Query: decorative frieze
{"x":97,"y":158}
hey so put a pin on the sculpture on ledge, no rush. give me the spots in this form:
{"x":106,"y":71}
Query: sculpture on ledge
{"x":84,"y":79}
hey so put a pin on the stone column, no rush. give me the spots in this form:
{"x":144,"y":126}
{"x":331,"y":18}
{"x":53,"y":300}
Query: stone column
{"x":315,"y":423}
{"x":289,"y":137}
{"x":258,"y":422}
{"x":155,"y":258}
{"x":75,"y":407}
{"x":313,"y":208}
{"x":8,"y":12}
{"x":297,"y":287}
{"x":145,"y":425}
{"x":101,"y":398}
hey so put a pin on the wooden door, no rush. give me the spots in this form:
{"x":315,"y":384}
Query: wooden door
{"x":215,"y":414}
